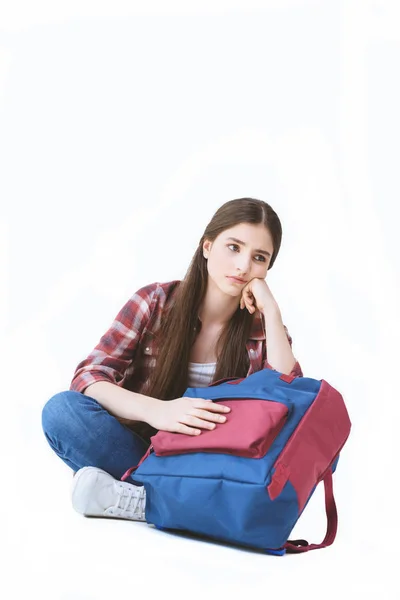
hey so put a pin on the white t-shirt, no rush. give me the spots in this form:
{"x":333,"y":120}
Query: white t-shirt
{"x":201,"y":374}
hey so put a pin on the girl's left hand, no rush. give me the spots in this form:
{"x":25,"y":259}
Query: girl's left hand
{"x":256,"y":294}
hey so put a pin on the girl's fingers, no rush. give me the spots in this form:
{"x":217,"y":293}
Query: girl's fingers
{"x":245,"y":303}
{"x":249,"y":307}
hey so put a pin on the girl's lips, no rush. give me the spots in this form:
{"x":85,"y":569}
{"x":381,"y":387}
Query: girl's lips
{"x":235,"y":280}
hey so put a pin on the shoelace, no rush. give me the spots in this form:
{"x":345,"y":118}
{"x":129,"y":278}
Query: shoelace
{"x":131,"y":500}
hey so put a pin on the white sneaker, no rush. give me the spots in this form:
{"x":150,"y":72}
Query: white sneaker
{"x":95,"y":493}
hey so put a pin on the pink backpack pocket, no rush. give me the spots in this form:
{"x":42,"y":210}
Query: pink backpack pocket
{"x":249,"y":430}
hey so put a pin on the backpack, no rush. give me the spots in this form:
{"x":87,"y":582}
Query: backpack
{"x":247,"y":481}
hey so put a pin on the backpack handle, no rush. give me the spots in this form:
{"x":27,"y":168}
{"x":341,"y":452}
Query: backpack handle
{"x":295,"y":546}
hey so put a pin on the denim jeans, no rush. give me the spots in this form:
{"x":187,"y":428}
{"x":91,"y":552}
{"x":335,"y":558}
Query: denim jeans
{"x":83,"y":433}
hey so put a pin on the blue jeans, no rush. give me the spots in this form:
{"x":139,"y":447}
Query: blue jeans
{"x":83,"y":433}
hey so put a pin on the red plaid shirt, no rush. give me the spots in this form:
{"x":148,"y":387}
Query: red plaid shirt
{"x":126,"y":353}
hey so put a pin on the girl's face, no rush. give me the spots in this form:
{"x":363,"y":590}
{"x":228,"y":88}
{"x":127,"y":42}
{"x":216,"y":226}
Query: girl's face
{"x":247,"y":256}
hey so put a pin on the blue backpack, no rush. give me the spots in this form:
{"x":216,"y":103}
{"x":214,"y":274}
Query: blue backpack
{"x":247,"y":481}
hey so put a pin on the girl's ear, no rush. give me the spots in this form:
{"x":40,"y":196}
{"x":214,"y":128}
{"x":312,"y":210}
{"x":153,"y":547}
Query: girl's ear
{"x":206,"y":248}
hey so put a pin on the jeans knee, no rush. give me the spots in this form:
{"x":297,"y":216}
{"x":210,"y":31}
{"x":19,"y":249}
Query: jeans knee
{"x":55,"y":411}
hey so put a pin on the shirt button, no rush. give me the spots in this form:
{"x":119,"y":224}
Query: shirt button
{"x":147,"y":349}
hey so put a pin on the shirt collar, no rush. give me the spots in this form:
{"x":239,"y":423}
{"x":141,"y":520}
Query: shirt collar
{"x":257,"y":331}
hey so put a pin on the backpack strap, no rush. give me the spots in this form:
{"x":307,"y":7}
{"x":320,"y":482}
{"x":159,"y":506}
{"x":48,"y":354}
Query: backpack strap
{"x":294,"y":546}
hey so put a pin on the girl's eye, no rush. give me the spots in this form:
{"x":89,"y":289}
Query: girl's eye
{"x":236,"y":246}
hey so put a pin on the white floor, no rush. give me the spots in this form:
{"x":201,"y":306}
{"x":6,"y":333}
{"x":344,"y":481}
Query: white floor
{"x":54,"y":553}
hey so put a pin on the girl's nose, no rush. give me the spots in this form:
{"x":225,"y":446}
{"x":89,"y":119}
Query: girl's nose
{"x":244,"y":266}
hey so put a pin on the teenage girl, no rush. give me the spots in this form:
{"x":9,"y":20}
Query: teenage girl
{"x":170,"y":336}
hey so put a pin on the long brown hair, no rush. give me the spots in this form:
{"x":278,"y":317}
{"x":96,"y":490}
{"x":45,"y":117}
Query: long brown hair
{"x":177,"y":331}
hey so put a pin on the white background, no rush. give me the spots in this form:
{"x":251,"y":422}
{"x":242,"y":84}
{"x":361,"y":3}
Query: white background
{"x":123,"y":127}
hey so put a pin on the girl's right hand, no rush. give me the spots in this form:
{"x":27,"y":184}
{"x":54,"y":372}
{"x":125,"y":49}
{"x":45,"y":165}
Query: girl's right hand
{"x":186,"y":415}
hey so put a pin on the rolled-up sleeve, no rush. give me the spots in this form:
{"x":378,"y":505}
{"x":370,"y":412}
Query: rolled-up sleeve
{"x":296,"y":370}
{"x":115,"y":351}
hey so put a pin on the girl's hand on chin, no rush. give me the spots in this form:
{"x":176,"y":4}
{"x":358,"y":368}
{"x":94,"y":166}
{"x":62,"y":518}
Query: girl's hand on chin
{"x":257,"y":295}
